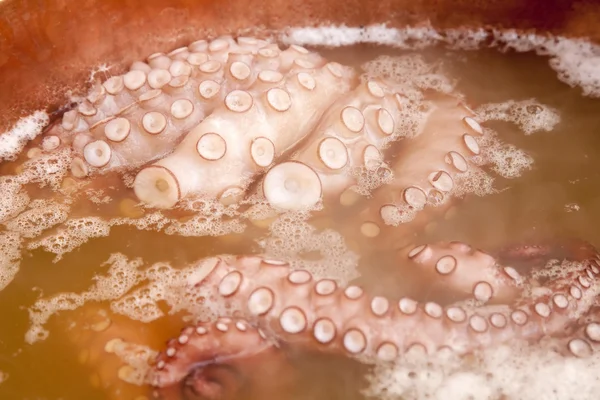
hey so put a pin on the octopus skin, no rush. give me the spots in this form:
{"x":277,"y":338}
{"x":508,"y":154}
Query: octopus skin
{"x":220,"y":156}
{"x":351,"y":135}
{"x":140,"y":116}
{"x":292,"y":307}
{"x":426,"y":169}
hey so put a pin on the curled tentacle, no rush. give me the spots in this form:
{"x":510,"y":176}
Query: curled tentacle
{"x":426,"y":168}
{"x":217,"y":361}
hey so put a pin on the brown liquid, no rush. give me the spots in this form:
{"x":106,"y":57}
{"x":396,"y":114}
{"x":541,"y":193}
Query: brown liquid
{"x":536,"y":205}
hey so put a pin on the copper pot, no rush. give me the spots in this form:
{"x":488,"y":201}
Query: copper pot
{"x":48,"y":46}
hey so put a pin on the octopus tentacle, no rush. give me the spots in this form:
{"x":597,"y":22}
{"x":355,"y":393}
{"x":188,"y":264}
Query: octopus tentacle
{"x":541,"y":305}
{"x":299,"y":309}
{"x":464,"y":269}
{"x":351,"y":136}
{"x":584,"y":340}
{"x":197,"y":349}
{"x":140,"y":116}
{"x":223,"y":154}
{"x":427,"y":167}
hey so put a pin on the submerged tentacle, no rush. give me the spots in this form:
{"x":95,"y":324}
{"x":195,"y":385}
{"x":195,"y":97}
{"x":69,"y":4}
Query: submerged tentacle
{"x":463,"y":269}
{"x":140,"y":116}
{"x":350,"y":137}
{"x":426,"y":168}
{"x":296,"y":308}
{"x":584,"y":340}
{"x":218,"y":360}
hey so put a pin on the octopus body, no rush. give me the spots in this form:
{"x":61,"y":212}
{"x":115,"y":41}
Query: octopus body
{"x":238,"y":119}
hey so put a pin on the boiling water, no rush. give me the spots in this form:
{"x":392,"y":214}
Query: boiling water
{"x":545,"y":120}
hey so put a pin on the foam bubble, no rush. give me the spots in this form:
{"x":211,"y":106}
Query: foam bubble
{"x":27,"y":128}
{"x":73,"y":234}
{"x":10,"y":257}
{"x":576,"y":61}
{"x":517,"y":371}
{"x":529,"y":115}
{"x":292,"y":238}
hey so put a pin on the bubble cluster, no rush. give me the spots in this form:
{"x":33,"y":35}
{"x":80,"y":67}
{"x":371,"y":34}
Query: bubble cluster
{"x":518,"y":371}
{"x":14,"y":198}
{"x":576,"y":61}
{"x":292,"y":238}
{"x":10,"y":257}
{"x":529,"y":115}
{"x":507,"y":160}
{"x":73,"y":234}
{"x":27,"y":128}
{"x":410,"y":71}
{"x":41,"y":215}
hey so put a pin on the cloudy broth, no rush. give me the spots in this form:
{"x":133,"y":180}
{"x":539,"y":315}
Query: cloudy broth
{"x":556,"y":196}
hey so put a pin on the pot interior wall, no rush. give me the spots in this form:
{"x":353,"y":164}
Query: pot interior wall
{"x":48,"y":47}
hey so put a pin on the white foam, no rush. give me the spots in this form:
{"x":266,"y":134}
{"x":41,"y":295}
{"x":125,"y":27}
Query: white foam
{"x":291,"y":238}
{"x":27,"y":128}
{"x":41,"y":215}
{"x":10,"y":257}
{"x":71,"y":235}
{"x":13,"y":200}
{"x":506,"y":159}
{"x":529,"y":115}
{"x":411,"y":72}
{"x":576,"y":61}
{"x":133,"y":291}
{"x":502,"y":372}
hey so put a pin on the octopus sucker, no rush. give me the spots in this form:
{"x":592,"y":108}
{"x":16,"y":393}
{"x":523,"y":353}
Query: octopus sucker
{"x":426,"y":170}
{"x":248,"y":132}
{"x":343,"y":141}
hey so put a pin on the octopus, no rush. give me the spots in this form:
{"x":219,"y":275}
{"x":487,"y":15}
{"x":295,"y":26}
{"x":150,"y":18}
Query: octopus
{"x":238,"y":119}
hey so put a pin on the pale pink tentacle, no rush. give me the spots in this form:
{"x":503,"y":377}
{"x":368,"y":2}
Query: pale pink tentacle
{"x":427,"y":168}
{"x":140,"y":116}
{"x":316,"y":313}
{"x":463,"y":269}
{"x":224,"y":153}
{"x":224,"y":342}
{"x":348,"y":139}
